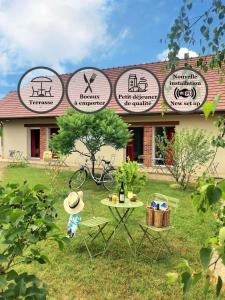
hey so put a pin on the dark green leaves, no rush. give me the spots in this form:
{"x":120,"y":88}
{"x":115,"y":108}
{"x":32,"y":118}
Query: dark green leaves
{"x":23,"y":286}
{"x":186,"y":279}
{"x":213,"y":194}
{"x":27,"y":216}
{"x":218,"y":286}
{"x":205,"y":257}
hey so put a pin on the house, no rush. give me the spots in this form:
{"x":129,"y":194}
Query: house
{"x":29,"y":132}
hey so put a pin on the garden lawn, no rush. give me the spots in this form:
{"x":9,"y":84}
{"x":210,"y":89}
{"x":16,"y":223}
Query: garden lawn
{"x":117,"y":275}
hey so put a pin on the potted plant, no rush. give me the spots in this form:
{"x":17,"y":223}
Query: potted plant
{"x":130,"y":174}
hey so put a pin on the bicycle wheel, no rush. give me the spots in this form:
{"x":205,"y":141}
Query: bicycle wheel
{"x":77,"y":179}
{"x":109,"y":180}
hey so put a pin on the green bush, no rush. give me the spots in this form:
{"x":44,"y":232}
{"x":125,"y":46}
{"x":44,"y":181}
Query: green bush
{"x":130,"y":174}
{"x":27,"y":216}
{"x":187,"y":151}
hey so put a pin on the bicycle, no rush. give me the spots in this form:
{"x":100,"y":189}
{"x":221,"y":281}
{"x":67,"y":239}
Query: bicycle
{"x":107,"y":177}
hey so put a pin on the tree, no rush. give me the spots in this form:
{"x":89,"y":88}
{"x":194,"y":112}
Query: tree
{"x":93,"y":130}
{"x":211,"y":27}
{"x":188,"y":151}
{"x":209,"y":195}
{"x":27,"y":217}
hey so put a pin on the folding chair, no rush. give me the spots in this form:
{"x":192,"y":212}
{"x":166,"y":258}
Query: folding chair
{"x":94,"y":226}
{"x":158,"y":236}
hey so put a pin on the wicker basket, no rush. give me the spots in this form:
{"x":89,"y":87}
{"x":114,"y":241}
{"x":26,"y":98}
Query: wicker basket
{"x":158,"y":218}
{"x":166,"y":217}
{"x":149,"y":216}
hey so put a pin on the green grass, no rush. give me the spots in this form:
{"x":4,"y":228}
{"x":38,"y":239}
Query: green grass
{"x":117,"y":275}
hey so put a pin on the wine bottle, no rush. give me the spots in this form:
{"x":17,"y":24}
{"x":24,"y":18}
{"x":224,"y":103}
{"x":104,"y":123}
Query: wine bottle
{"x":122,"y":193}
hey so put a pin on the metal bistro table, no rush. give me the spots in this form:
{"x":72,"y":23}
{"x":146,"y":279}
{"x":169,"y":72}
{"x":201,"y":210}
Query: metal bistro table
{"x":121,"y":213}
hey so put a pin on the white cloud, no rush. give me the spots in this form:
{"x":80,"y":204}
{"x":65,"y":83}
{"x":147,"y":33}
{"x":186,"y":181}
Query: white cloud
{"x":54,"y":32}
{"x":164,"y":55}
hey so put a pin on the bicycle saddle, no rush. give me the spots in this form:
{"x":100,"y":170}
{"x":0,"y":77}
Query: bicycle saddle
{"x":106,"y":161}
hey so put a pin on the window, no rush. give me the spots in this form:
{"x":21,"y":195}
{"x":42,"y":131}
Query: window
{"x":135,"y":147}
{"x":158,"y":160}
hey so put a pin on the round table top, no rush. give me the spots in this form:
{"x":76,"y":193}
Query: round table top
{"x":126,"y":204}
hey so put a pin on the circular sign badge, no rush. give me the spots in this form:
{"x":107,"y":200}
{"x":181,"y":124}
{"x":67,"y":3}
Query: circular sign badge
{"x":137,"y":90}
{"x":40,"y":89}
{"x":89,"y":90}
{"x":185,"y":90}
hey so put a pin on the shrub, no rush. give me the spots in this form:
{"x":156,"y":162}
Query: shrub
{"x":133,"y":178}
{"x":188,"y":150}
{"x":27,"y":216}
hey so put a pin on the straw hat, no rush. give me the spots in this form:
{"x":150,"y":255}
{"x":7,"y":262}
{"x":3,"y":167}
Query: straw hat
{"x":74,"y":204}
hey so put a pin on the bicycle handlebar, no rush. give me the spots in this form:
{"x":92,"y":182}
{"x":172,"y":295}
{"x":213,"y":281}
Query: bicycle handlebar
{"x":89,"y":156}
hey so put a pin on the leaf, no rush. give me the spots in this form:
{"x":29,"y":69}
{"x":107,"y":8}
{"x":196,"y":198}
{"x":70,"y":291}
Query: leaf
{"x":184,"y":264}
{"x":208,"y":108}
{"x":12,"y":275}
{"x":2,"y":258}
{"x":205,"y":257}
{"x":3,"y":281}
{"x":196,"y":277}
{"x":221,"y":185}
{"x":187,"y":281}
{"x":222,"y":236}
{"x":22,"y":287}
{"x":172,"y":277}
{"x":16,"y":216}
{"x":213,"y":194}
{"x":218,"y":286}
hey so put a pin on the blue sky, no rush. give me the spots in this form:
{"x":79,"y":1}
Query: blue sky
{"x":69,"y":34}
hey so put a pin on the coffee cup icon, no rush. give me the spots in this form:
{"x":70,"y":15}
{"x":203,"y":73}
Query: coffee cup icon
{"x":142,"y":85}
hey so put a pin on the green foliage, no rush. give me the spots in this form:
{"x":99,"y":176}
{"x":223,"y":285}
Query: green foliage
{"x":27,"y":216}
{"x":219,"y":139}
{"x":188,"y":150}
{"x":93,"y":130}
{"x":210,"y":25}
{"x":209,"y":196}
{"x":205,"y":257}
{"x":130,"y":174}
{"x":210,"y":106}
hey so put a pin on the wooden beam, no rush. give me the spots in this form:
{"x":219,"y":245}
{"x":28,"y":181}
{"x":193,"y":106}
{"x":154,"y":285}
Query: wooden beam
{"x":156,"y":123}
{"x":41,"y":125}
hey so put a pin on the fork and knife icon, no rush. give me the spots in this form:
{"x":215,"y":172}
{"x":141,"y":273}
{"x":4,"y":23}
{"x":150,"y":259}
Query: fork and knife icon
{"x":89,"y":82}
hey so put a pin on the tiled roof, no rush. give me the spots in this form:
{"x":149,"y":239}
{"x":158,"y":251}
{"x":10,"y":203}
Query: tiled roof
{"x":10,"y":106}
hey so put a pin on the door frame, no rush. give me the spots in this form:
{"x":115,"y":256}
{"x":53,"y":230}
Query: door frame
{"x":153,"y":142}
{"x":29,"y":143}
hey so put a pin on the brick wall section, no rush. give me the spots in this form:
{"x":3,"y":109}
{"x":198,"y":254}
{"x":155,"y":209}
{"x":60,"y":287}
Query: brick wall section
{"x":43,"y":140}
{"x":148,"y":145}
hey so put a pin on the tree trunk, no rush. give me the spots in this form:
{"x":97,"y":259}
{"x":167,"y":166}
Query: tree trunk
{"x":93,"y":165}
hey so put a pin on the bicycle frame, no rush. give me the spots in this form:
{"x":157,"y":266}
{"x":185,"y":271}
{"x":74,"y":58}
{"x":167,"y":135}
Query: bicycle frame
{"x":97,"y":180}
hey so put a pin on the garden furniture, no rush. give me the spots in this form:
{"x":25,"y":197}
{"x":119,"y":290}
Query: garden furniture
{"x":95,"y":226}
{"x":158,"y":236}
{"x":159,"y":166}
{"x":212,"y":169}
{"x":121,"y":212}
